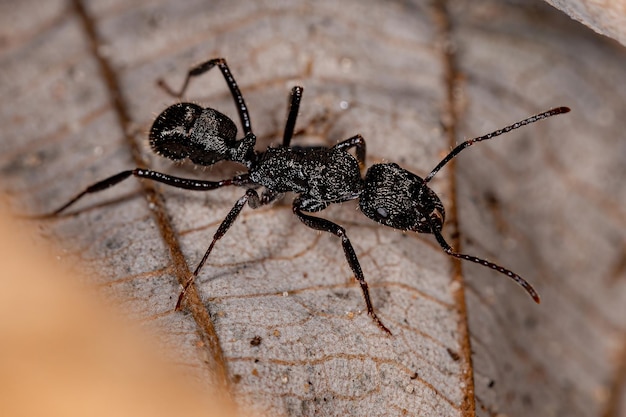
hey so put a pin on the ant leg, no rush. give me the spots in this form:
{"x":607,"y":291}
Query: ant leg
{"x":186,"y":183}
{"x":292,"y":114}
{"x":230,"y":81}
{"x":252,"y":198}
{"x":324,"y":225}
{"x":357,"y":142}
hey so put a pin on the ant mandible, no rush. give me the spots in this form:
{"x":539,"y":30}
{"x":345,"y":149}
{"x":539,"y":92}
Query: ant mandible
{"x":319,"y":176}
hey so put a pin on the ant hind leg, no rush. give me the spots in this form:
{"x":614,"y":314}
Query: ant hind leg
{"x":200,"y":69}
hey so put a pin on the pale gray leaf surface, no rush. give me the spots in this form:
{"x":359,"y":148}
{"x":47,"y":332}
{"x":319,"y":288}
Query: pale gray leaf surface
{"x":546,"y":201}
{"x":559,"y":217}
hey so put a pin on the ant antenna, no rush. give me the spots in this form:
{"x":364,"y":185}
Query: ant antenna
{"x":470,"y":142}
{"x":442,"y":242}
{"x":447,"y":249}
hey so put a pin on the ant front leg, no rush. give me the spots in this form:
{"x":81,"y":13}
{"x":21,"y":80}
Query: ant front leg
{"x":324,"y":225}
{"x":186,"y":183}
{"x":230,"y":81}
{"x":358,"y":143}
{"x":252,"y":198}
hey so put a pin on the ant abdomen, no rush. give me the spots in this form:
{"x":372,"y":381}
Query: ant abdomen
{"x":186,"y":130}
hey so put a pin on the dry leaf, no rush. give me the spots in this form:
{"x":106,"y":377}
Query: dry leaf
{"x":605,"y":17}
{"x":412,"y":78}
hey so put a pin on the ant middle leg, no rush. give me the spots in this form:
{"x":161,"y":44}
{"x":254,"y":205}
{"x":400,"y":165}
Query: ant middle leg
{"x":186,"y":183}
{"x":200,"y":69}
{"x":355,"y":141}
{"x":324,"y":225}
{"x":252,"y":198}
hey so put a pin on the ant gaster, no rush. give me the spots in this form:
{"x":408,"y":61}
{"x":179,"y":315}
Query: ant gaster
{"x":319,"y":176}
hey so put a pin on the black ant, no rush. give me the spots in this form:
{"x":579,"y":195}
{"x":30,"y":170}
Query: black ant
{"x":319,"y":176}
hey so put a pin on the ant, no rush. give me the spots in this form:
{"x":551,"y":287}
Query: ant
{"x":318,"y":175}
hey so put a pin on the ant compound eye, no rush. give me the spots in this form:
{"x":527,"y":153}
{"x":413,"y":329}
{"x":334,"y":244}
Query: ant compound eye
{"x":382,"y":212}
{"x":169,"y":135}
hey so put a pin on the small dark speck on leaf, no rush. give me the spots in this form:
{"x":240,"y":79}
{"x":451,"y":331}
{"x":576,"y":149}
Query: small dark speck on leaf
{"x":530,"y":322}
{"x":492,"y":200}
{"x":455,"y":356}
{"x":113,"y":244}
{"x":342,"y":295}
{"x":256,"y":341}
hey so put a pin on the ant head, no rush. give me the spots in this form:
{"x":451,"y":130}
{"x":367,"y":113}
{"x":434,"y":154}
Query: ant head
{"x":400,"y":199}
{"x":204,"y":135}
